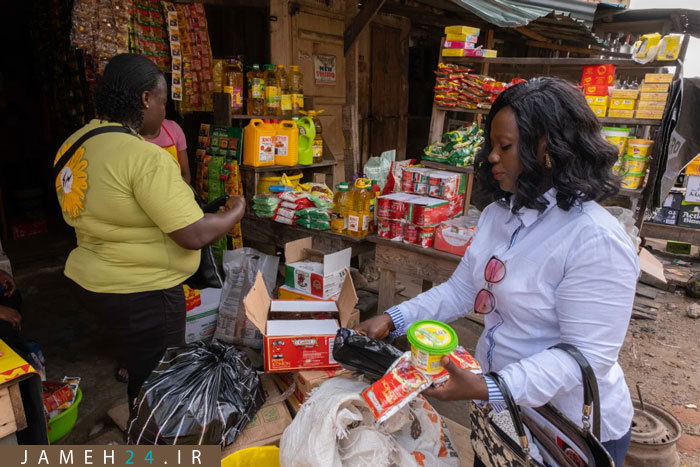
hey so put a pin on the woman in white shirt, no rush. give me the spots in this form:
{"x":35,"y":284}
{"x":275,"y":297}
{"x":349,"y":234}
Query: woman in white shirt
{"x":547,"y":265}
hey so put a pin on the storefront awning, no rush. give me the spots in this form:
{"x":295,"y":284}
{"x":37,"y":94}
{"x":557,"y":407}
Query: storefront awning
{"x":511,"y":13}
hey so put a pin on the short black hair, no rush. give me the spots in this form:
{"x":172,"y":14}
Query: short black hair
{"x":118,"y":94}
{"x":581,"y":158}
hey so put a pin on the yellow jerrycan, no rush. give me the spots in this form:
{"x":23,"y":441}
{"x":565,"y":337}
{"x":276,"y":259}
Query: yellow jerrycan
{"x":259,"y":144}
{"x":287,"y":143}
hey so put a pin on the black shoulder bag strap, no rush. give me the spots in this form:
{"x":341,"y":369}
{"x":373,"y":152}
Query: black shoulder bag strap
{"x":58,"y":166}
{"x":590,"y":387}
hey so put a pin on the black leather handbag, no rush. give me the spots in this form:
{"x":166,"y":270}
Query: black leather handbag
{"x":580,"y":446}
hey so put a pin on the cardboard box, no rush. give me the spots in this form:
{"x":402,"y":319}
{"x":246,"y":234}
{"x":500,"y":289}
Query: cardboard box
{"x":468,"y":44}
{"x":650,"y":114}
{"x":465,"y":30}
{"x":290,"y":293}
{"x":312,"y":272}
{"x":651,"y":105}
{"x":622,"y":104}
{"x":599,"y":110}
{"x":596,"y":90}
{"x":689,"y":215}
{"x":490,"y":53}
{"x":299,"y":342}
{"x":647,"y":45}
{"x":670,"y":47}
{"x":654,"y":87}
{"x":624,"y":93}
{"x":653,"y":96}
{"x":617,"y":113}
{"x":456,"y":207}
{"x":673,"y":201}
{"x":666,"y":216}
{"x":267,"y":425}
{"x":452,"y":241}
{"x":307,"y":381}
{"x":284,"y":381}
{"x":693,"y":168}
{"x":594,"y":75}
{"x":683,"y":248}
{"x":462,"y":52}
{"x":597,"y":100}
{"x":200,"y":320}
{"x":658,"y":78}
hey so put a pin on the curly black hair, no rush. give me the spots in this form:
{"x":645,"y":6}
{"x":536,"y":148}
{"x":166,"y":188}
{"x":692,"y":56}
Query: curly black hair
{"x":118,"y":94}
{"x":581,"y":158}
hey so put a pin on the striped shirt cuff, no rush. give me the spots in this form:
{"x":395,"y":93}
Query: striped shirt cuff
{"x":496,"y":399}
{"x":399,"y":322}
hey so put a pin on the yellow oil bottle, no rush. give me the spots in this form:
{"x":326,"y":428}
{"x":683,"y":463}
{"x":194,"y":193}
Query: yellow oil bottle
{"x":358,"y":214}
{"x":339,"y":216}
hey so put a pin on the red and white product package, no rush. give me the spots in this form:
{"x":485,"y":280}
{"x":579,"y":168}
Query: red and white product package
{"x":426,"y":211}
{"x":463,"y":360}
{"x":419,"y":235}
{"x":390,"y":228}
{"x":402,"y":383}
{"x":454,"y":236}
{"x":393,"y":182}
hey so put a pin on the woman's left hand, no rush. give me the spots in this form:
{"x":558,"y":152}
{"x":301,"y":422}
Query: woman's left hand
{"x":462,"y":385}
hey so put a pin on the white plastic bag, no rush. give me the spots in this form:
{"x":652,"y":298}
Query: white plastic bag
{"x":241,"y":267}
{"x":626,"y":218}
{"x":377,"y":168}
{"x":334,"y":428}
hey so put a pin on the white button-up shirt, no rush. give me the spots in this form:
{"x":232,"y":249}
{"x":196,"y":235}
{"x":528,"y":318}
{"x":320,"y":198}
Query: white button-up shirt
{"x":570,"y":277}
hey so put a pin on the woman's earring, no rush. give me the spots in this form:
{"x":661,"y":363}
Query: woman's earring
{"x":547,"y":161}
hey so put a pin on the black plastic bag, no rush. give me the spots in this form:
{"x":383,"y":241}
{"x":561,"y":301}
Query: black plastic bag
{"x":371,"y":357}
{"x":199,"y":394}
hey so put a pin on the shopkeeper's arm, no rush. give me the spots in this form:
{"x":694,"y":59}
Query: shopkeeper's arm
{"x":211,"y":227}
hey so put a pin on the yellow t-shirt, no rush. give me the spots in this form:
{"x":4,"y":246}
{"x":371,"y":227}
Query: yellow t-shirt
{"x":123,"y":195}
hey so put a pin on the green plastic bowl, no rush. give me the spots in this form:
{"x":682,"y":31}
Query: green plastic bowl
{"x":63,"y":423}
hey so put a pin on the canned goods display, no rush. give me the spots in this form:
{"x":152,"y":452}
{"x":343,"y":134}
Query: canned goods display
{"x":420,"y":188}
{"x":396,"y":229}
{"x":383,"y":227}
{"x":383,"y":207}
{"x":434,"y":191}
{"x":410,"y":234}
{"x":426,"y":236}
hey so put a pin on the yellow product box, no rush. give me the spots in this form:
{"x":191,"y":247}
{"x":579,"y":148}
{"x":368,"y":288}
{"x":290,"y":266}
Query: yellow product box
{"x":464,"y":30}
{"x":617,"y":113}
{"x":670,"y":47}
{"x":453,"y":52}
{"x":646,"y":45}
{"x":597,"y":100}
{"x":599,"y":110}
{"x":650,"y":114}
{"x":651,"y":105}
{"x":622,"y":104}
{"x":654,"y":87}
{"x":490,"y":53}
{"x":653,"y":96}
{"x":625,"y":93}
{"x":658,"y":77}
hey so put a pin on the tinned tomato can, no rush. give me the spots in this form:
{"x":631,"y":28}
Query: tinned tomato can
{"x":420,"y":188}
{"x":384,"y":227}
{"x":397,"y":209}
{"x":383,"y":207}
{"x":426,"y":236}
{"x":396,"y":229}
{"x":410,"y":234}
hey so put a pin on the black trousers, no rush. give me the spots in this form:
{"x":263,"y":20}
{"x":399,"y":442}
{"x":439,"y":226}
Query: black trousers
{"x":145,"y":323}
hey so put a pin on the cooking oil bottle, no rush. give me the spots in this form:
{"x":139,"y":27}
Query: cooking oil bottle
{"x":296,"y":85}
{"x":358,"y":214}
{"x":272,"y":91}
{"x":285,"y":93}
{"x":339,"y":217}
{"x":256,"y":91}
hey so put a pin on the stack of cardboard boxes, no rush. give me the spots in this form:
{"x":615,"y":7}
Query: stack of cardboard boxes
{"x":653,"y":95}
{"x":460,"y":41}
{"x":596,"y":80}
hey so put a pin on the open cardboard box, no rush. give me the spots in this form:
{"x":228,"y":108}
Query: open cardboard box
{"x":312,"y":272}
{"x":299,"y":334}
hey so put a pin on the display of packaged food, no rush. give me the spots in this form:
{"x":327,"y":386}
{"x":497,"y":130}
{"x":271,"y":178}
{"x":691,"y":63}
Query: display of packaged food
{"x":624,"y":93}
{"x":597,"y":75}
{"x":622,"y":104}
{"x":454,"y":236}
{"x":621,"y":113}
{"x":426,"y":211}
{"x":658,"y":77}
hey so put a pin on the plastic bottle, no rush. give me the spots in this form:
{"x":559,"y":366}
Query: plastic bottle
{"x":285,"y":94}
{"x":256,"y":91}
{"x":374,"y":191}
{"x":272,"y":91}
{"x":258,"y":143}
{"x":233,"y":84}
{"x":317,"y":146}
{"x":339,"y":217}
{"x":296,"y":88}
{"x":358,"y":214}
{"x":287,"y":143}
{"x":307,"y":133}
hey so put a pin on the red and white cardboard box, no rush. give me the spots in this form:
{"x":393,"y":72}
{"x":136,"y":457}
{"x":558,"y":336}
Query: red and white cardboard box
{"x":299,"y":334}
{"x":310,"y":271}
{"x":451,"y":241}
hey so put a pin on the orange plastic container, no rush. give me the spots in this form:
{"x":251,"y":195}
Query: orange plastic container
{"x":287,"y":143}
{"x":259,"y":144}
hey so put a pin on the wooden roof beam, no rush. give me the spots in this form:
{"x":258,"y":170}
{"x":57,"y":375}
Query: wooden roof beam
{"x":363,"y":17}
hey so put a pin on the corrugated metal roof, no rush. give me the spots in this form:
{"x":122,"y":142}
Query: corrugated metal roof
{"x":511,"y":13}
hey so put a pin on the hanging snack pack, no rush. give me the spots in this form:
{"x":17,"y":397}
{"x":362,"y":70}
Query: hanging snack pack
{"x":458,"y":148}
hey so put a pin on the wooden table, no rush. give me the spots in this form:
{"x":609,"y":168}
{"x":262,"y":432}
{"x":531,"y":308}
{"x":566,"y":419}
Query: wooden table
{"x":267,"y":235}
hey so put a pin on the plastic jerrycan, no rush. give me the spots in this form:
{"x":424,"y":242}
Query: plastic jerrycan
{"x":307,"y":133}
{"x":287,"y":143}
{"x":259,"y":144}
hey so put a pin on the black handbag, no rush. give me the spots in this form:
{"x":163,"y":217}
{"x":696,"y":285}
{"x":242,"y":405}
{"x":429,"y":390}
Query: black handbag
{"x":495,"y":447}
{"x":208,"y":273}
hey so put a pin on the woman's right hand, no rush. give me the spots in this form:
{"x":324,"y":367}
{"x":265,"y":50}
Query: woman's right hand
{"x":235,"y":202}
{"x":377,"y":327}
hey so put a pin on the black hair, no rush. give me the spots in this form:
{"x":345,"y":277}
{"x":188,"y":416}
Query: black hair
{"x":581,"y":158}
{"x":118,"y":94}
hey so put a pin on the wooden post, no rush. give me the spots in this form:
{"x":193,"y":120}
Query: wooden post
{"x":369,"y":9}
{"x":387,"y":290}
{"x":351,"y":117}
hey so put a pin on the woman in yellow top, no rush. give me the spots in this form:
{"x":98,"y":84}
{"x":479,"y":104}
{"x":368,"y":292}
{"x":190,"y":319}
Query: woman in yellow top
{"x":137,"y":224}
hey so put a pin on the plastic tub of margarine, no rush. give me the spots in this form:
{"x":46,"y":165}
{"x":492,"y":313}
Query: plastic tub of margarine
{"x":617,"y":136}
{"x":639,"y":147}
{"x":633,"y":181}
{"x":430,"y":341}
{"x":636,"y":165}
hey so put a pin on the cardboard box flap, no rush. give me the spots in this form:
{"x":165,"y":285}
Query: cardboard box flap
{"x":346,"y":301}
{"x":302,"y":327}
{"x":337,"y":261}
{"x":257,"y":303}
{"x":315,"y":306}
{"x":294,"y":251}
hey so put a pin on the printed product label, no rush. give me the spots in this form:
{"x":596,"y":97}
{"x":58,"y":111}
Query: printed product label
{"x":317,"y":149}
{"x":237,"y":98}
{"x":365,"y":223}
{"x":281,"y":145}
{"x":298,"y":100}
{"x":257,"y":88}
{"x":286,"y":102}
{"x":354,"y":223}
{"x":271,"y":96}
{"x":266,"y":151}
